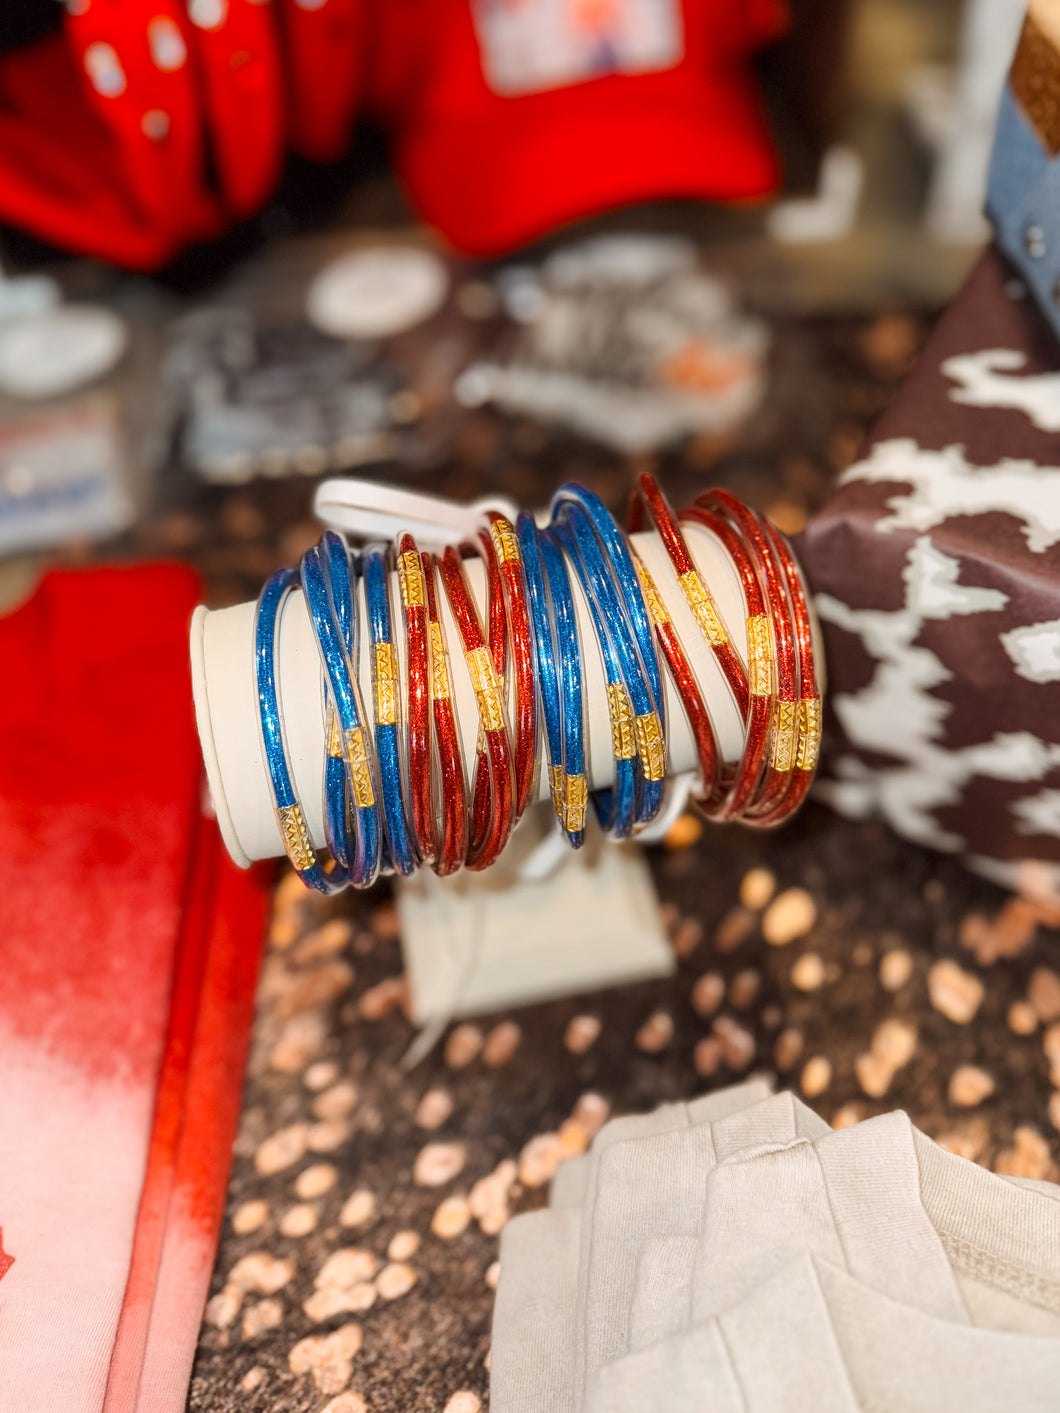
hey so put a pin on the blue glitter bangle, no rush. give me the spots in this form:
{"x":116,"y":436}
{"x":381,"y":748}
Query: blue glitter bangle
{"x":569,"y":673}
{"x":616,"y":808}
{"x":620,"y":562}
{"x":336,"y":814}
{"x":349,"y":736}
{"x":635,"y":698}
{"x":289,"y":814}
{"x":403,"y":855}
{"x":544,"y":654}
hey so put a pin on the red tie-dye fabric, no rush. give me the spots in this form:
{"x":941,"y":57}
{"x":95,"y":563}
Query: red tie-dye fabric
{"x":128,"y":951}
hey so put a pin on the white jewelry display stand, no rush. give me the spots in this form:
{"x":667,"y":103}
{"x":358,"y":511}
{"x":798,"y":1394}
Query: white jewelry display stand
{"x":544,"y":920}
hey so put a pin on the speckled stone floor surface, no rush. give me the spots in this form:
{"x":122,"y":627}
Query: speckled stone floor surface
{"x":359,"y":1255}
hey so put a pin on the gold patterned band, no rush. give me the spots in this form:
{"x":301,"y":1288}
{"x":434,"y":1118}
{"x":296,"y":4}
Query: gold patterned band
{"x":555,"y":786}
{"x":487,"y":688}
{"x":575,"y":797}
{"x":656,"y":608}
{"x":647,"y":731}
{"x":334,"y":733}
{"x":785,"y":735}
{"x":439,"y":665}
{"x":295,"y":834}
{"x":504,"y":542}
{"x":360,"y":769}
{"x":705,"y":611}
{"x":760,"y":653}
{"x":809,"y":734}
{"x":623,"y":737}
{"x":410,"y":577}
{"x":385,"y":686}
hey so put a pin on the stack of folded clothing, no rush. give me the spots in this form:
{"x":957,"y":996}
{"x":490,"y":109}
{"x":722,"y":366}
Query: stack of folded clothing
{"x":735,"y":1253}
{"x":129,"y":945}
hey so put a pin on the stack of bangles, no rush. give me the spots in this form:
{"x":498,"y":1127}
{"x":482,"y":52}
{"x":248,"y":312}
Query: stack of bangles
{"x":397,"y":791}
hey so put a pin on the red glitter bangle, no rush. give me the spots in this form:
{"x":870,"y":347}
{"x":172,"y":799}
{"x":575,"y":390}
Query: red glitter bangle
{"x":694,"y":588}
{"x":451,"y":848}
{"x":489,"y":832}
{"x":684,"y":679}
{"x":737,"y":794}
{"x":808,"y":723}
{"x":783,"y":727}
{"x":497,"y":642}
{"x":412,"y":580}
{"x":509,"y":556}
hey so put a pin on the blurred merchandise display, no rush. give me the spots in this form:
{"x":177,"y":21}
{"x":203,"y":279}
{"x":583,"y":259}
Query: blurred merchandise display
{"x":49,"y":352}
{"x":62,"y":476}
{"x":376,"y":293}
{"x":352,"y":364}
{"x":626,"y":340}
{"x":244,"y":401}
{"x":955,"y":111}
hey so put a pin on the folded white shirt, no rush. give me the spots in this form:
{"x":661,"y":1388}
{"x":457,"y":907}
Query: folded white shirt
{"x":536,"y":1326}
{"x":534,"y":1316}
{"x":884,"y":1203}
{"x":652,"y":1189}
{"x":815,"y":1338}
{"x":575,"y":1179}
{"x":677,"y":1219}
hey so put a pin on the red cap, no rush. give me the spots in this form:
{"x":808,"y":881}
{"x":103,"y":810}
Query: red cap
{"x":513,"y":117}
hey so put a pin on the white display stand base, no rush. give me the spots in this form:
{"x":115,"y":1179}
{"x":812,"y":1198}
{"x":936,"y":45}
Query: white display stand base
{"x":510,"y":936}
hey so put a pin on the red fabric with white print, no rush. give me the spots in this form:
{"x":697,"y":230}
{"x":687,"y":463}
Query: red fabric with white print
{"x":144,"y":126}
{"x":129,"y":947}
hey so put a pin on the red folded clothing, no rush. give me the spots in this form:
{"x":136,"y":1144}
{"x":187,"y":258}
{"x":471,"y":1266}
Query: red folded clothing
{"x":325,"y":51}
{"x":129,"y":945}
{"x":142,"y":126}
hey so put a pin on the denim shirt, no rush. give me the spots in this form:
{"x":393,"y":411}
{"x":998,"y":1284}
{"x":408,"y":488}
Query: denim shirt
{"x":1023,"y":201}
